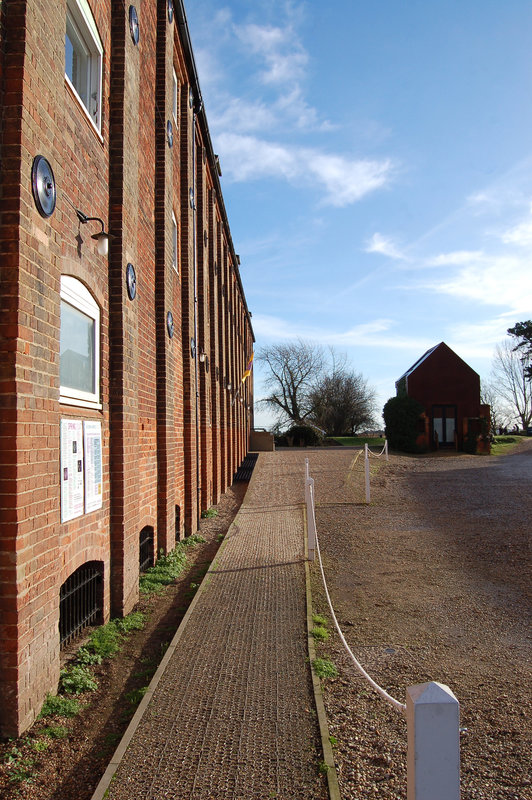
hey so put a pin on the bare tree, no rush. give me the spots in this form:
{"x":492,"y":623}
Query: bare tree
{"x":501,"y":414}
{"x":294,"y":368}
{"x":342,"y":403}
{"x":509,"y":378}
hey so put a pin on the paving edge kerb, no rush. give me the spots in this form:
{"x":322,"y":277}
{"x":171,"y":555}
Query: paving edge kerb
{"x":328,"y":756}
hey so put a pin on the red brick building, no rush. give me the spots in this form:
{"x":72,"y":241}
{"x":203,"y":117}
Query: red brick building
{"x":449,"y":391}
{"x":122,"y":408}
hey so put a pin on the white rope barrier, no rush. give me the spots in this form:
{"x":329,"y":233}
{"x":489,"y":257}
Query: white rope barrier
{"x":312,"y":526}
{"x":383,"y":693}
{"x":384,"y":451}
{"x":432,"y":711}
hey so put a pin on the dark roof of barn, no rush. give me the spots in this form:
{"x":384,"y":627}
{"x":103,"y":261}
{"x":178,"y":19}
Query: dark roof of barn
{"x":419,"y":361}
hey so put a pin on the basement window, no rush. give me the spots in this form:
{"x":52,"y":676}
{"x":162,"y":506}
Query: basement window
{"x":83,"y":59}
{"x":79,"y":367}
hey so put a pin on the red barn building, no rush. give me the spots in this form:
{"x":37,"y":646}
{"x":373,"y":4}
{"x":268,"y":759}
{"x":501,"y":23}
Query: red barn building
{"x":122,"y":408}
{"x":449,"y":391}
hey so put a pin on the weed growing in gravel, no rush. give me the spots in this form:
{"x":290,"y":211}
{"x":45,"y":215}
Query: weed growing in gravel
{"x":77,"y":679}
{"x":323,"y":768}
{"x":209,"y":513}
{"x":88,"y":659}
{"x":136,"y":695}
{"x":318,"y":619}
{"x":320,"y":633}
{"x":40,"y":744}
{"x":105,"y":641}
{"x":168,"y":567}
{"x":324,"y":668}
{"x":20,"y":768}
{"x":54,"y":732}
{"x":56,"y":705}
{"x":133,"y":622}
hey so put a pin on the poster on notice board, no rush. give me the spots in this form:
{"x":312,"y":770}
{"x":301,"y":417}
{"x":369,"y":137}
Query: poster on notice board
{"x":71,"y":469}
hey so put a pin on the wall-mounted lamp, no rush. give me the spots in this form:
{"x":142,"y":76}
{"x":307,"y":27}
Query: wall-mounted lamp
{"x":229,"y":387}
{"x":102,"y":238}
{"x":202,"y":356}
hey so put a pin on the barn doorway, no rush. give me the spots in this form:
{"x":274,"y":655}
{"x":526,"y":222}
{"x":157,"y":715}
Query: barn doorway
{"x":444,"y":425}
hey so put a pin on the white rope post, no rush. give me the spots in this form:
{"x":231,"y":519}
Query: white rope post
{"x":386,"y":448}
{"x":311,"y":518}
{"x":433,"y":717}
{"x":366,"y":472}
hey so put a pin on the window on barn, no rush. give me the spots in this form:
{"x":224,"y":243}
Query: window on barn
{"x":83,"y":58}
{"x":79,"y":368}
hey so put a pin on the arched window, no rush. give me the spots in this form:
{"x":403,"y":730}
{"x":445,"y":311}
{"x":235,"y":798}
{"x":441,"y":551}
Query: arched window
{"x":80,"y":345}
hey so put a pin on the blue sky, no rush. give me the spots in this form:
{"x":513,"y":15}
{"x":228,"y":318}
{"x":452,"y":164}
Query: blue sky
{"x":377,"y":171}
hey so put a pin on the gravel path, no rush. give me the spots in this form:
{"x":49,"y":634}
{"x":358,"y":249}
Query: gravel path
{"x":430,"y":582}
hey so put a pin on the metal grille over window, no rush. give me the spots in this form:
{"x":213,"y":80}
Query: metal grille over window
{"x":81,"y":602}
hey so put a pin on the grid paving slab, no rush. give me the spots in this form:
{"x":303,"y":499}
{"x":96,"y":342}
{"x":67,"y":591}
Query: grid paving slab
{"x":230,"y":713}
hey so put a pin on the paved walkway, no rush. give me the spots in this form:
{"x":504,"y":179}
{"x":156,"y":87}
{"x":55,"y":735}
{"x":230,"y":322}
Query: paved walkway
{"x":230,"y":712}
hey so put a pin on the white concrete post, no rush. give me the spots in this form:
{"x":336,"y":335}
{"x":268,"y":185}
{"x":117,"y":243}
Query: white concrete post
{"x":366,"y":472}
{"x":433,"y":717}
{"x":311,"y":519}
{"x":386,"y":448}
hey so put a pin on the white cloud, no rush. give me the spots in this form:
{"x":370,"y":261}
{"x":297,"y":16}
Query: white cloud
{"x":456,"y":258}
{"x":345,"y":180}
{"x":520,"y":234}
{"x":284,"y":56}
{"x":377,"y":333}
{"x":497,"y":281}
{"x":236,"y":113}
{"x":383,"y":245}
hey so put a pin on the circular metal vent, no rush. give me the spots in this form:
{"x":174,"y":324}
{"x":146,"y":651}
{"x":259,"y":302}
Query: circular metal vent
{"x":43,"y":186}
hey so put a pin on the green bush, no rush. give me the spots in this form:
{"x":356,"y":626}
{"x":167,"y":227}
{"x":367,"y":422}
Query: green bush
{"x":401,"y":417}
{"x":304,"y":436}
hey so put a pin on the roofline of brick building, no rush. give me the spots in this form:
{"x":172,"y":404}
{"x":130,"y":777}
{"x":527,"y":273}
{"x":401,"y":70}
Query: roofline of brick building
{"x":181,"y":19}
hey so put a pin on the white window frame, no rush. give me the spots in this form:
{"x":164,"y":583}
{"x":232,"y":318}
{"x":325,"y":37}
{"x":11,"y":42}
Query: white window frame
{"x":80,"y":17}
{"x":75,"y":294}
{"x":175,"y":87}
{"x":175,"y":242}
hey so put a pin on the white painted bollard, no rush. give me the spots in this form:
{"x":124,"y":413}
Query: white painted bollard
{"x":386,"y":448}
{"x":311,"y":519}
{"x":433,"y":718}
{"x":366,"y":472}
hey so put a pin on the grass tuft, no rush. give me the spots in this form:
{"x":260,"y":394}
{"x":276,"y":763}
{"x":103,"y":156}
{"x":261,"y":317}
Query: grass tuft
{"x":320,"y":633}
{"x":324,"y":668}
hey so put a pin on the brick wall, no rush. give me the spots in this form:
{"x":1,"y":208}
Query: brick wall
{"x":171,"y":436}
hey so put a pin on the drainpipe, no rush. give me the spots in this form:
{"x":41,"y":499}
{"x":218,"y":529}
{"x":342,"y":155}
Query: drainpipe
{"x":195,"y":110}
